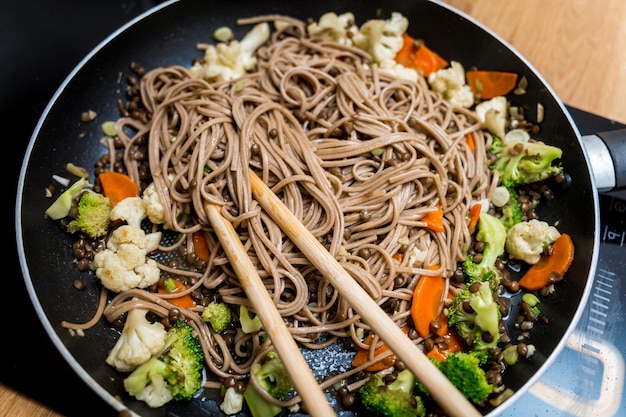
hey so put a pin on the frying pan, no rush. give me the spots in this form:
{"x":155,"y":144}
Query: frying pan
{"x":167,"y":35}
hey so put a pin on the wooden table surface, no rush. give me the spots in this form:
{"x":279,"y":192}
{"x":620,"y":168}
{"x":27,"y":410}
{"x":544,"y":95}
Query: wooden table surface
{"x":578,"y":45}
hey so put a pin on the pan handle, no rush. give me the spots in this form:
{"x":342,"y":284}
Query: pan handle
{"x":607,"y":155}
{"x":612,"y":386}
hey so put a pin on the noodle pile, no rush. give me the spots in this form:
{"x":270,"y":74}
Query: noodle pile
{"x":358,"y":155}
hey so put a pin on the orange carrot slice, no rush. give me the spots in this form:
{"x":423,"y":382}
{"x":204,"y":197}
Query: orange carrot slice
{"x":184,"y":301}
{"x":469,"y":138}
{"x":490,"y":84}
{"x":538,"y":275}
{"x":454,"y":342}
{"x":434,"y":219}
{"x":474,"y":215}
{"x":426,"y":303}
{"x":419,"y":57}
{"x":200,"y":246}
{"x":362,"y":355}
{"x":117,"y":186}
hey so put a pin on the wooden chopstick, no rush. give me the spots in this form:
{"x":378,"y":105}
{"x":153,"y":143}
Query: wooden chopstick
{"x":441,"y":389}
{"x":301,"y":375}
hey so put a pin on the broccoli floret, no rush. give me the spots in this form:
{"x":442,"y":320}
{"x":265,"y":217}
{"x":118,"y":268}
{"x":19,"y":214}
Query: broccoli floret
{"x":512,"y":211}
{"x":218,"y":315}
{"x":94,"y":211}
{"x":475,"y":316}
{"x":396,"y":399}
{"x":173,"y":373}
{"x":520,"y":162}
{"x":492,"y":233}
{"x":463,"y":370}
{"x":273,"y":378}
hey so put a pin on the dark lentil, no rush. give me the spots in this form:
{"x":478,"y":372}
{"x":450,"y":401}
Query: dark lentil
{"x":79,"y":284}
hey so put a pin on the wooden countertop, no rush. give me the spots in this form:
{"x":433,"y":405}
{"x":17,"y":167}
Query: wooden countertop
{"x":579,"y":46}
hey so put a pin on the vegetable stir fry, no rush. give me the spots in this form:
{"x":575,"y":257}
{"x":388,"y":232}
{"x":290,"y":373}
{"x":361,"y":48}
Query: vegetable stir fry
{"x":417,"y":174}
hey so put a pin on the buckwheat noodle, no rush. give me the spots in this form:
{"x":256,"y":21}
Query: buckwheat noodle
{"x":359,"y":156}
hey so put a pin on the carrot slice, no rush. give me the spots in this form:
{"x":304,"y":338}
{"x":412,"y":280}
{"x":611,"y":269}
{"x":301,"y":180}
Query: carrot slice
{"x":454,"y":342}
{"x":442,"y":319}
{"x":434,"y":219}
{"x":538,"y":275}
{"x":474,"y":215}
{"x":117,"y":186}
{"x":200,"y":246}
{"x":426,"y":303}
{"x":398,"y":257}
{"x":419,"y":57}
{"x":490,"y":84}
{"x":184,"y":301}
{"x":469,"y":138}
{"x":362,"y":355}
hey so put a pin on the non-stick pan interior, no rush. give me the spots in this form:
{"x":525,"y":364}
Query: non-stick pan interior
{"x":168,"y":36}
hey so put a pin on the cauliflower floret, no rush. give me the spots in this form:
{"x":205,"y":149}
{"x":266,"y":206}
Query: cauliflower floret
{"x":130,"y":209}
{"x":492,"y":114}
{"x":233,"y":402}
{"x":123,"y":264}
{"x":450,"y":82}
{"x":333,"y":27}
{"x":152,"y":205}
{"x":139,"y":340}
{"x":226,"y":61}
{"x":156,"y":394}
{"x":382,"y":39}
{"x":527,"y":240}
{"x":399,"y":71}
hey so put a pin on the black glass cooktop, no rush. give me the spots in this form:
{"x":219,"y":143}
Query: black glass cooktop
{"x":41,"y":42}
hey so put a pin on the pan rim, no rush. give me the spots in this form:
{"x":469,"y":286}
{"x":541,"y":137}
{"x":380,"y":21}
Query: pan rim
{"x":118,"y":405}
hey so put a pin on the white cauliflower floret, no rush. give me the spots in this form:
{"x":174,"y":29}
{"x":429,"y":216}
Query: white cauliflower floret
{"x":226,"y":61}
{"x":139,"y":340}
{"x":124,"y":263}
{"x":156,"y":394}
{"x":338,"y":28}
{"x":233,"y":402}
{"x":382,"y":39}
{"x":152,"y":205}
{"x":492,"y":114}
{"x":130,"y":209}
{"x":400,"y":71}
{"x":527,"y":240}
{"x":450,"y":82}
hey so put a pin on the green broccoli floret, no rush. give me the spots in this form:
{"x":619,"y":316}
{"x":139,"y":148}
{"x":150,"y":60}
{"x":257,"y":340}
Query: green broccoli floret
{"x":396,"y":399}
{"x":512,"y":211}
{"x":520,"y":163}
{"x":463,"y":370}
{"x":94,"y":215}
{"x":218,"y":315}
{"x":492,"y":232}
{"x":174,"y":373}
{"x":475,"y":316}
{"x":273,"y":378}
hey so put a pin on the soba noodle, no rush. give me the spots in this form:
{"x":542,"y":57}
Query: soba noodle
{"x":358,"y":155}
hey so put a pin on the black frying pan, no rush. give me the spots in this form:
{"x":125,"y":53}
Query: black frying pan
{"x":168,"y":36}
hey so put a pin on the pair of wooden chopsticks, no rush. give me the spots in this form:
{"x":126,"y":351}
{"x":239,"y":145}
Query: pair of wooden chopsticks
{"x":441,"y":389}
{"x":303,"y":379}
